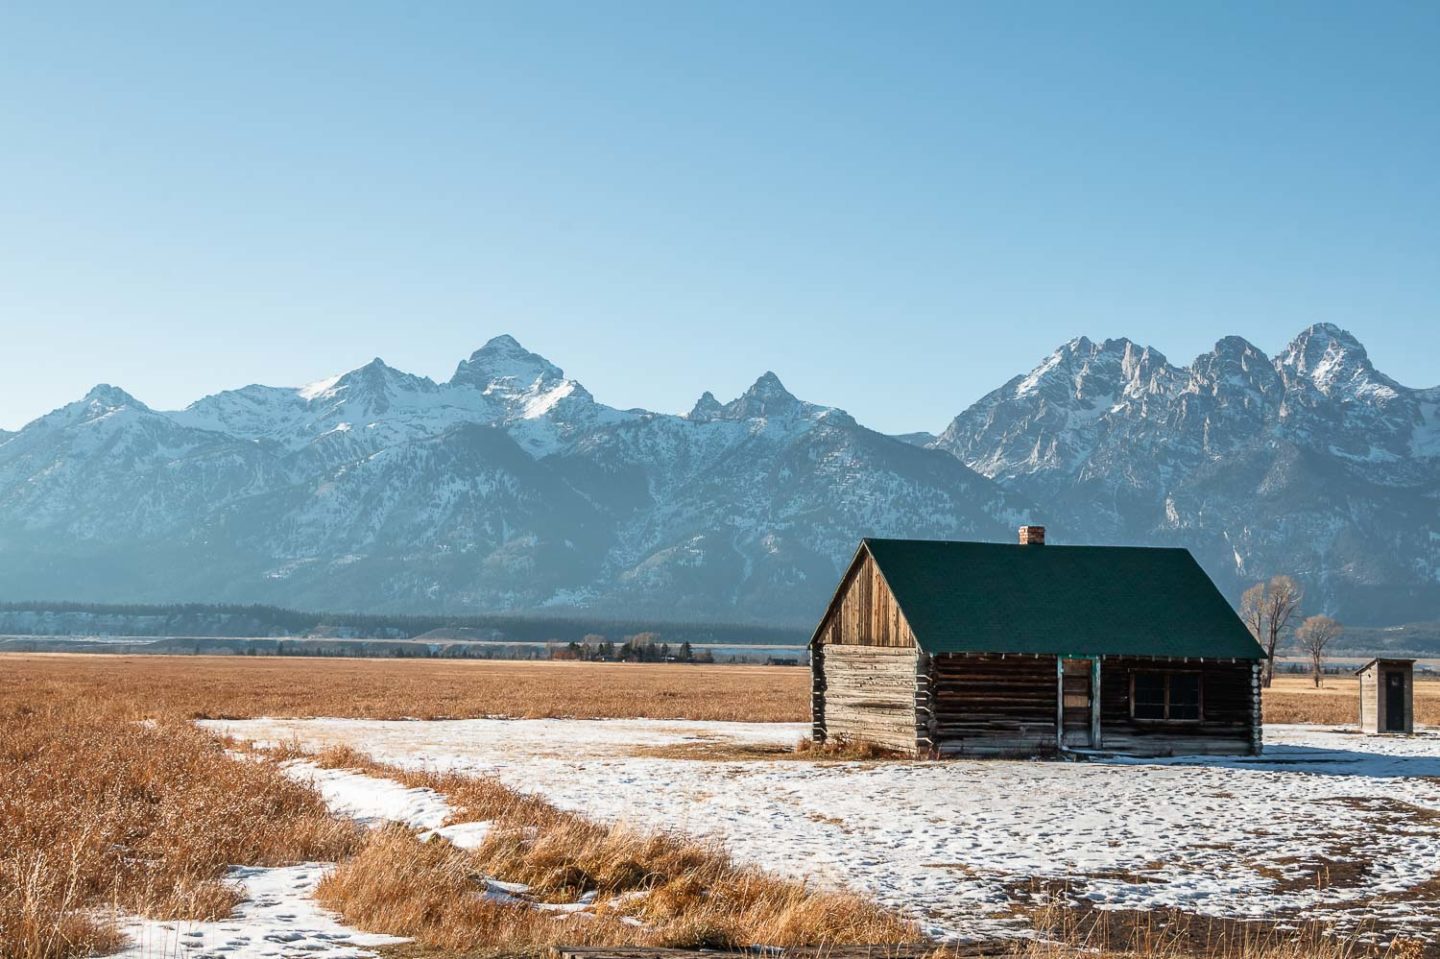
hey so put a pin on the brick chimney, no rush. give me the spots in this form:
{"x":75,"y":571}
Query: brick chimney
{"x":1032,"y":536}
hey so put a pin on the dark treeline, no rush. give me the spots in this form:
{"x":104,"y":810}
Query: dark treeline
{"x":207,"y":619}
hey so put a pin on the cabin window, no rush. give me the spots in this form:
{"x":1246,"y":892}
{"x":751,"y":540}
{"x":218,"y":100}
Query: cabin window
{"x":1162,"y":696}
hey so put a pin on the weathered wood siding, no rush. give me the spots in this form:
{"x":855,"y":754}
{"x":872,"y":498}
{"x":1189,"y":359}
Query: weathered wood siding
{"x":865,"y":672}
{"x":992,"y":705}
{"x":869,"y":695}
{"x":1375,"y":697}
{"x":867,"y":614}
{"x":1370,"y":705}
{"x":870,"y":682}
{"x":1230,"y":711}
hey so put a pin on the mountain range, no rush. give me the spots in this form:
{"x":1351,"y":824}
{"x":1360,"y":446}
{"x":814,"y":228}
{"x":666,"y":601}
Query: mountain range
{"x":509,"y":487}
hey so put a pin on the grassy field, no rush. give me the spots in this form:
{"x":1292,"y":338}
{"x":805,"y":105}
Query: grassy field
{"x":114,"y":802}
{"x":237,"y":687}
{"x":228,"y":687}
{"x":103,"y":812}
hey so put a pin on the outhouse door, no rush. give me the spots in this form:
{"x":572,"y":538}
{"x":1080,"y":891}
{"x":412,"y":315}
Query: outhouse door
{"x":1394,"y":701}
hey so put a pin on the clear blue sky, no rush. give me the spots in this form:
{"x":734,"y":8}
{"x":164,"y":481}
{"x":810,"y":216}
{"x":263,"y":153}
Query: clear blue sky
{"x":894,"y":206}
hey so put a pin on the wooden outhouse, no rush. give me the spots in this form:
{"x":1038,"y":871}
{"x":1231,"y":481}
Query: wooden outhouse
{"x":1387,"y":696}
{"x":988,"y":649}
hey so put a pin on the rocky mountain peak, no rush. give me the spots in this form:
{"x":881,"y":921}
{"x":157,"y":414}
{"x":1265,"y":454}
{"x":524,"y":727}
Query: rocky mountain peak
{"x":503,"y":365}
{"x":1082,"y":372}
{"x":767,"y":397}
{"x":111,"y":398}
{"x":1335,"y":363}
{"x":1235,"y":364}
{"x":372,"y":388}
{"x":706,"y":408}
{"x":510,"y":488}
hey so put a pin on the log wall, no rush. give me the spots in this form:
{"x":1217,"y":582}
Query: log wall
{"x":870,"y":682}
{"x":868,"y":695}
{"x":992,"y":705}
{"x":1230,"y":711}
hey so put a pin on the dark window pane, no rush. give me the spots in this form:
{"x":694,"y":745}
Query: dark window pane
{"x":1149,"y":695}
{"x":1185,"y":696}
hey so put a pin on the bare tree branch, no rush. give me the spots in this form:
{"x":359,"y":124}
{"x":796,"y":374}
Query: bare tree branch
{"x":1267,"y":609}
{"x":1314,"y":637}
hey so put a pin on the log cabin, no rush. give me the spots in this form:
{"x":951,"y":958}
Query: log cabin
{"x":942,"y":649}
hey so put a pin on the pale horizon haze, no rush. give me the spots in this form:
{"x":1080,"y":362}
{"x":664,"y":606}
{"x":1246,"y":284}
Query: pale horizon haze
{"x":895,"y":208}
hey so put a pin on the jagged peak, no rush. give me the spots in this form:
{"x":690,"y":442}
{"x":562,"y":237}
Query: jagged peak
{"x":375,"y":376}
{"x":1233,"y":361}
{"x":376,"y":371}
{"x":768,"y":386}
{"x":503,"y":358}
{"x":1331,"y":358}
{"x":112,"y":397}
{"x":766,"y":397}
{"x":1234,"y":346}
{"x":1313,"y":344}
{"x":1325,"y":332}
{"x":706,"y":408}
{"x":1075,"y":362}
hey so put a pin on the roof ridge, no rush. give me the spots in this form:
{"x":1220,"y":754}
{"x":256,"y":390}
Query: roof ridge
{"x":962,"y":596}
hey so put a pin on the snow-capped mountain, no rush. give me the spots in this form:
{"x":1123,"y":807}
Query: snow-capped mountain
{"x":509,"y":487}
{"x":1311,"y":462}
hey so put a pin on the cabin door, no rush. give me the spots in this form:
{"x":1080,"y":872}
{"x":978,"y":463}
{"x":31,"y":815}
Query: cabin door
{"x":1395,"y":702}
{"x":1076,"y":702}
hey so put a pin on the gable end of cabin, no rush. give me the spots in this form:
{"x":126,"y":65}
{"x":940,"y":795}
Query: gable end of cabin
{"x":866,"y":670}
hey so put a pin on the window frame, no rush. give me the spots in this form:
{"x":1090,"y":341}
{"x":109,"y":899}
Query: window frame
{"x":1166,"y":675}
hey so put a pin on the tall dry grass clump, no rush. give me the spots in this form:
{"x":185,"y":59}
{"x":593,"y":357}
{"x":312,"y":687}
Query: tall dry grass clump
{"x":99,"y":812}
{"x":1068,"y":931}
{"x":650,"y":889}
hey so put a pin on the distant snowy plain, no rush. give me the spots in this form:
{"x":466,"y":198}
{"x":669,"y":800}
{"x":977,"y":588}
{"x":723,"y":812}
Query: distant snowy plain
{"x":958,"y":843}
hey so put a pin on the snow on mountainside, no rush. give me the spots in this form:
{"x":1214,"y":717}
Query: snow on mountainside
{"x":1311,"y":462}
{"x":509,"y":487}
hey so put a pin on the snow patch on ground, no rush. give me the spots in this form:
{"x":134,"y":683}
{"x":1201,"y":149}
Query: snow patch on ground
{"x":370,"y":800}
{"x":961,"y":840}
{"x":277,"y":918}
{"x":462,"y":835}
{"x":432,"y":744}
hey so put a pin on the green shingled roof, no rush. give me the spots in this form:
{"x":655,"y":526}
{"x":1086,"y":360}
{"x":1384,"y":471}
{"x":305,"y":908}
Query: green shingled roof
{"x":1065,"y":600}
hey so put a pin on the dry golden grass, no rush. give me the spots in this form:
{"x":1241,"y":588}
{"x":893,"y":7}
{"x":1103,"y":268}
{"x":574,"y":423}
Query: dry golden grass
{"x":1294,"y":699}
{"x":97,"y":811}
{"x":1068,"y":932}
{"x":652,"y":889}
{"x":101,"y":810}
{"x":237,"y":687}
{"x":242,"y":687}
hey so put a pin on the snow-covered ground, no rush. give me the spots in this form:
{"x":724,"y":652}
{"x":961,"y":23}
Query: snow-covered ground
{"x":277,"y":918}
{"x":1326,"y":825}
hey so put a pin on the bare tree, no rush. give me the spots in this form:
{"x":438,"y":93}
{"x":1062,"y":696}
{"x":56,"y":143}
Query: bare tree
{"x":1252,"y":605}
{"x":1267,"y":609}
{"x":1314,"y":637}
